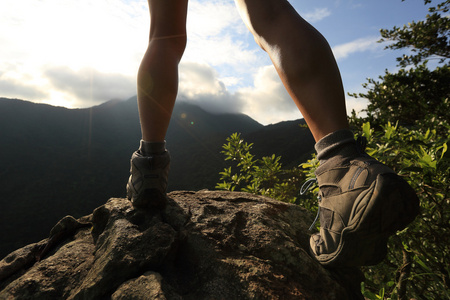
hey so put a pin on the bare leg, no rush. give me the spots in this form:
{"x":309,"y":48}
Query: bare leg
{"x":306,"y":65}
{"x":303,"y":60}
{"x":158,"y":72}
{"x":157,"y":90}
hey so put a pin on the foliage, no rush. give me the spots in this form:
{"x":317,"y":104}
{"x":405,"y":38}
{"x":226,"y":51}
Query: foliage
{"x":426,"y":39}
{"x":417,"y":261}
{"x":414,"y":96}
{"x":418,"y":98}
{"x":262,"y":176}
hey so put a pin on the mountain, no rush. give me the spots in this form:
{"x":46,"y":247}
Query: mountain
{"x":58,"y":161}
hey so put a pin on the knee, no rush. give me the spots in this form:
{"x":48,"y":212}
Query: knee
{"x":178,"y":45}
{"x":173,"y":46}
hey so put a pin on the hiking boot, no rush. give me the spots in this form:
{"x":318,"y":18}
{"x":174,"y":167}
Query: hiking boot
{"x":361,"y":203}
{"x":147,"y":184}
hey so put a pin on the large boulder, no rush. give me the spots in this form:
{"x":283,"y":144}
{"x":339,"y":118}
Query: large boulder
{"x":203,"y":245}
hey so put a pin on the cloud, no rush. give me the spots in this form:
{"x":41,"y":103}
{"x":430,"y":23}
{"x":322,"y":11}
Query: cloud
{"x":223,"y":51}
{"x":219,"y":15}
{"x":357,"y":104}
{"x":317,"y":15}
{"x":360,"y":45}
{"x":267,"y":101}
{"x":48,"y":54}
{"x":199,"y":84}
{"x":197,"y":79}
{"x":51,"y":31}
{"x":218,"y":37}
{"x":108,"y":40}
{"x":90,"y":86}
{"x":13,"y":88}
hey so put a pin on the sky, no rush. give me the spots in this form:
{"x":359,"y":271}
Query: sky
{"x":81,"y":53}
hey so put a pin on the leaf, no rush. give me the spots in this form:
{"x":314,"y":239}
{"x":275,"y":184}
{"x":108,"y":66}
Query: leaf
{"x":444,"y":149}
{"x":422,"y":264}
{"x":391,"y":283}
{"x":366,"y":130}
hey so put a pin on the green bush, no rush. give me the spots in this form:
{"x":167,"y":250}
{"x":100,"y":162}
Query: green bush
{"x":263,"y":176}
{"x":417,"y":262}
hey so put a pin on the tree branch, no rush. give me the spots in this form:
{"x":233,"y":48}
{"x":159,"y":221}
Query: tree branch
{"x":404,"y":274}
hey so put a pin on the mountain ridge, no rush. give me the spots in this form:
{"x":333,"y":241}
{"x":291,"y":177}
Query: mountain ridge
{"x":58,"y":161}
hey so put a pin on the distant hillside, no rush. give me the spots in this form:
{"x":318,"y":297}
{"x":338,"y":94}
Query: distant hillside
{"x":57,"y":161}
{"x":286,"y":139}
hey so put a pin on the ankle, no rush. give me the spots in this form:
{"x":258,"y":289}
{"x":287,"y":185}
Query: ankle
{"x":152,"y":148}
{"x":338,"y":143}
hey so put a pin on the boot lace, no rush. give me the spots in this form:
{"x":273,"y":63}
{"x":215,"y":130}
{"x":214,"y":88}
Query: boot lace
{"x":305,"y":187}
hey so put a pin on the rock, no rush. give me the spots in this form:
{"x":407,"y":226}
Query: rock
{"x":203,"y":245}
{"x":20,"y":259}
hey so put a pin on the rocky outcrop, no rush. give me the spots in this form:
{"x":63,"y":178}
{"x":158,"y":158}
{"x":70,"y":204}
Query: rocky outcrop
{"x":203,"y":245}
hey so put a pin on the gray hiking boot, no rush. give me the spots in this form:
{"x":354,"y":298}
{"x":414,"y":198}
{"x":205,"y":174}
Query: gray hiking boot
{"x":361,"y":203}
{"x":147,"y":184}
